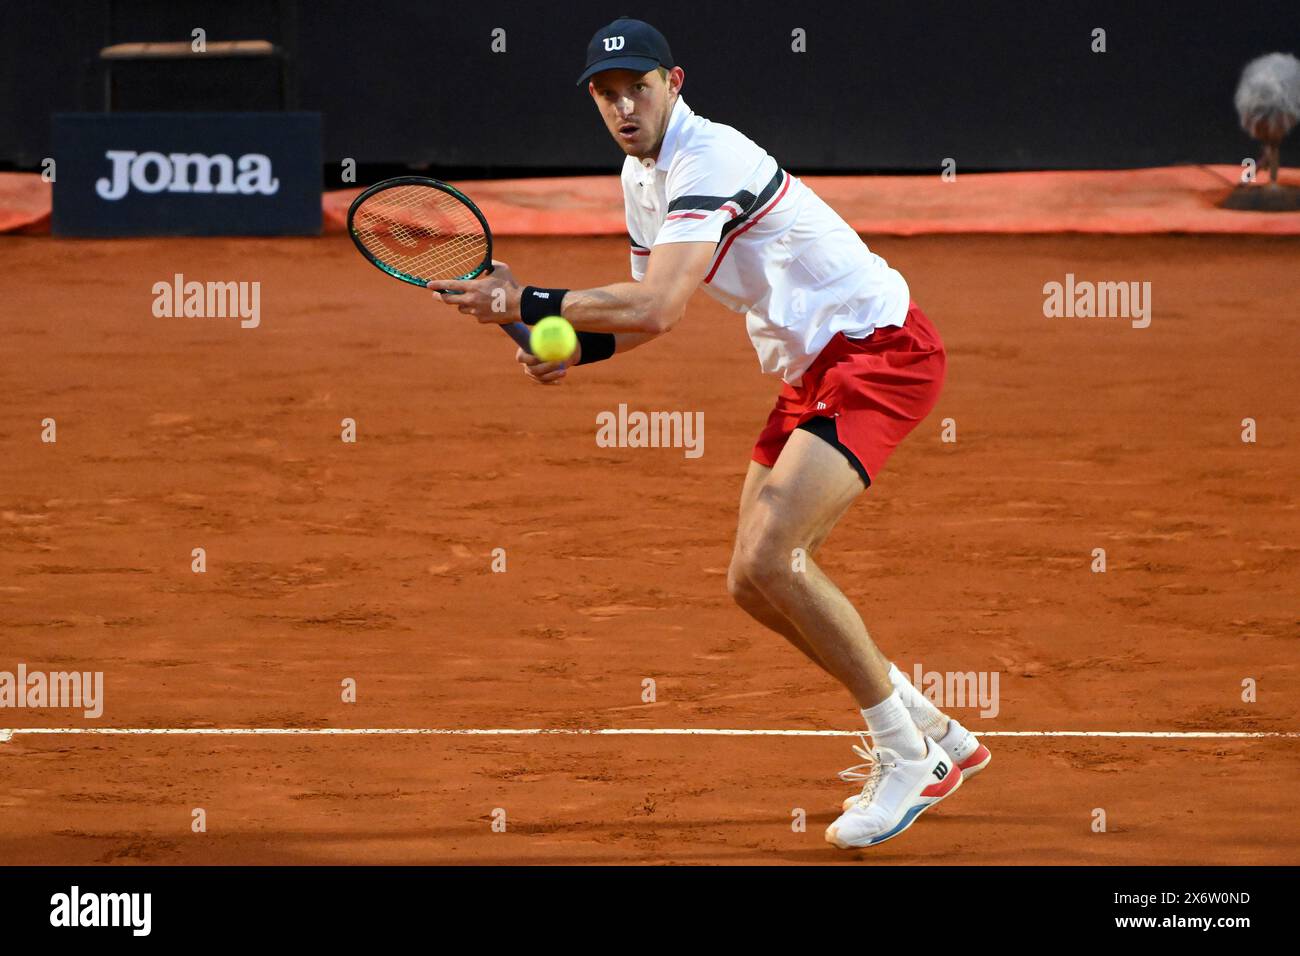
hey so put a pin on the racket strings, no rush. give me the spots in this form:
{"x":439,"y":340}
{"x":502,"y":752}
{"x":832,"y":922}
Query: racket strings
{"x":423,"y":232}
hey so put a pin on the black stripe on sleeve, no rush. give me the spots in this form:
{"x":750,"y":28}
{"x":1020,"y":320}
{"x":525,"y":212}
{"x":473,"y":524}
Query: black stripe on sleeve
{"x":709,"y":203}
{"x":761,"y":200}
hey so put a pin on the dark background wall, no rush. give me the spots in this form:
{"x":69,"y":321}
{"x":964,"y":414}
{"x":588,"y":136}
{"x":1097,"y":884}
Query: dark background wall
{"x":892,"y":85}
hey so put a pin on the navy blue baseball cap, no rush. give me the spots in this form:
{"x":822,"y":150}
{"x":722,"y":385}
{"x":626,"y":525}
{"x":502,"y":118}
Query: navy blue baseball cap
{"x":626,"y":44}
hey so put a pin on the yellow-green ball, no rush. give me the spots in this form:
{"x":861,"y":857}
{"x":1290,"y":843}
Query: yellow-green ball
{"x":553,"y":339}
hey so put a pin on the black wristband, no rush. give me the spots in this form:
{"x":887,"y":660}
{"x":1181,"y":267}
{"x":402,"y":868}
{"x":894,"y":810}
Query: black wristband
{"x":536,"y":304}
{"x":595,"y":347}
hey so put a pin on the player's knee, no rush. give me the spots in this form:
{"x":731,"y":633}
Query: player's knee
{"x":739,"y":586}
{"x":762,"y":561}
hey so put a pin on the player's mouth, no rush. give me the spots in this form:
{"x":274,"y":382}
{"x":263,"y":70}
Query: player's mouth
{"x":627,"y":132}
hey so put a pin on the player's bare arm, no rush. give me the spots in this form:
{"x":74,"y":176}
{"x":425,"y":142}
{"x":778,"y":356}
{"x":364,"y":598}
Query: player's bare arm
{"x":633,"y":312}
{"x":650,"y":307}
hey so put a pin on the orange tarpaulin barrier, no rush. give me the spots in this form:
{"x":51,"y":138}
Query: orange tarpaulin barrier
{"x":24,"y":203}
{"x":1168,"y":199}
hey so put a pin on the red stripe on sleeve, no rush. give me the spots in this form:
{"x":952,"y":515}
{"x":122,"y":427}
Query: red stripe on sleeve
{"x":732,"y":238}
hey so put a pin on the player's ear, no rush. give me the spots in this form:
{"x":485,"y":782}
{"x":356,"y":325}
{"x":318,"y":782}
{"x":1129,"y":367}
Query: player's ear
{"x":676,"y":77}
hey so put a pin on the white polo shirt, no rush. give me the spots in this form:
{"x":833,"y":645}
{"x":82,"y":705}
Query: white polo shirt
{"x":784,"y":258}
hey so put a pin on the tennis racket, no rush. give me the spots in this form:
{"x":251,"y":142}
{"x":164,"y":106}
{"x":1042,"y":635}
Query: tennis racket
{"x":417,"y":229}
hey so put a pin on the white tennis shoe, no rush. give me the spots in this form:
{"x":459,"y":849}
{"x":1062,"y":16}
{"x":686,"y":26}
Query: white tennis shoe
{"x":961,"y":745}
{"x":895,"y":792}
{"x":965,"y":749}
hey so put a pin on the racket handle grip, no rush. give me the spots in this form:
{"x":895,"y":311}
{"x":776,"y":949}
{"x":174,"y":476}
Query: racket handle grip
{"x":520,"y":333}
{"x":516,"y":330}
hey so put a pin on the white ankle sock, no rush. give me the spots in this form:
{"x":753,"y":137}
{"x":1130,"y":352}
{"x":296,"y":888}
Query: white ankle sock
{"x":890,"y":725}
{"x":930,"y":719}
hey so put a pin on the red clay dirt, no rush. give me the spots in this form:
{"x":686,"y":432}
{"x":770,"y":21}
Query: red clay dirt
{"x":372,"y":561}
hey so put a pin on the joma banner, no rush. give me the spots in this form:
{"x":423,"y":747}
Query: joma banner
{"x":187,"y":174}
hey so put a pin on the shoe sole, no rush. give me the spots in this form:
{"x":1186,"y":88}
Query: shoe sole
{"x":908,"y":819}
{"x":976,"y":762}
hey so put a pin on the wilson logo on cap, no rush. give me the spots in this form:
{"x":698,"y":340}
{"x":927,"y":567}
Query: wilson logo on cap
{"x":626,"y":44}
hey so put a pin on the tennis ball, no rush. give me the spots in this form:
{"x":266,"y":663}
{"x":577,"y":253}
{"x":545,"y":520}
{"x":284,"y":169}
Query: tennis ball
{"x":553,"y":339}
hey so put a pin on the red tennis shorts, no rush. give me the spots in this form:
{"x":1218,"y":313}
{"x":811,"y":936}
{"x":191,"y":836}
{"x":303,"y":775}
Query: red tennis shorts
{"x":876,"y":389}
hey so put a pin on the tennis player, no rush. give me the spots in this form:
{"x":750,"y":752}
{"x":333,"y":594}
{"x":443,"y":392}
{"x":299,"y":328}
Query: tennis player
{"x":861,"y":363}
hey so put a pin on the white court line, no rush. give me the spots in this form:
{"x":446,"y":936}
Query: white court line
{"x":7,"y":734}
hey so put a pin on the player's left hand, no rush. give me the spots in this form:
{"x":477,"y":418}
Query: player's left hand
{"x":493,"y":298}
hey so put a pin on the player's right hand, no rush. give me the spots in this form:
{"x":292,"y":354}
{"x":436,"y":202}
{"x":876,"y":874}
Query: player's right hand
{"x":543,"y":373}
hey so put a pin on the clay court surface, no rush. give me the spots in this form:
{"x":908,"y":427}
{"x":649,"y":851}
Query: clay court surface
{"x":372,"y":561}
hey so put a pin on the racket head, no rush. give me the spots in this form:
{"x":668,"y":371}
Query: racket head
{"x":415,"y":229}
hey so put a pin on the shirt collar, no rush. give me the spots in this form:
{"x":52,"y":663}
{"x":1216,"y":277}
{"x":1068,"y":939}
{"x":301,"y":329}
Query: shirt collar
{"x":668,"y":149}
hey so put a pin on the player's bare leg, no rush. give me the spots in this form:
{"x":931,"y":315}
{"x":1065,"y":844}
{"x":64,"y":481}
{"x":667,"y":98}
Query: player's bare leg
{"x":748,"y":596}
{"x":963,"y":746}
{"x":751,"y":600}
{"x":793,"y":507}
